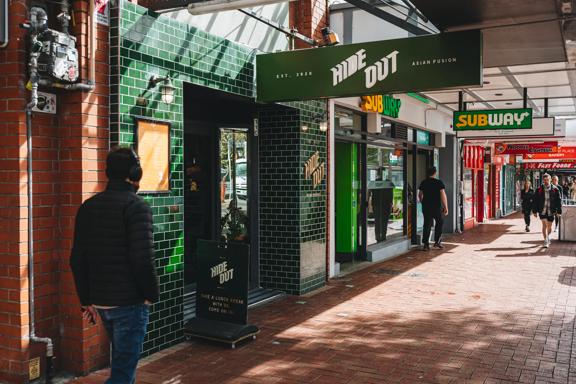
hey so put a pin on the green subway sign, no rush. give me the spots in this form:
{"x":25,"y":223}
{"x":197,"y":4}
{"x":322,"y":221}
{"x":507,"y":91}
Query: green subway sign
{"x":391,"y":66}
{"x":493,"y":119}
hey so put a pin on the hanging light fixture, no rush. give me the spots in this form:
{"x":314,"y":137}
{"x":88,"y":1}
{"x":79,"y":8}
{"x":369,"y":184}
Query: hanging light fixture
{"x":166,"y":88}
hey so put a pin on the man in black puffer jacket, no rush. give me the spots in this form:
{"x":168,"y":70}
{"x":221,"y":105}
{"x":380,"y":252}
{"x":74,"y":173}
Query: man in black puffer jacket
{"x":113,"y":262}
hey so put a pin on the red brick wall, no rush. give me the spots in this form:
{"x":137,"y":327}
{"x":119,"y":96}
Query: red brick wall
{"x":69,"y":152}
{"x":309,"y":17}
{"x":13,"y":216}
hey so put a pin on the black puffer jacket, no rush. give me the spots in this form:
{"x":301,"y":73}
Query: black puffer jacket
{"x":113,"y":252}
{"x":555,"y":201}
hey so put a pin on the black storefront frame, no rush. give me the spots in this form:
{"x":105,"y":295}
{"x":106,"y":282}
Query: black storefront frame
{"x":364,"y":140}
{"x":253,"y":196}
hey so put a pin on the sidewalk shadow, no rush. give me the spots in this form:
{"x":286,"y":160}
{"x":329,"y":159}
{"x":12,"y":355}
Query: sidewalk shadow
{"x":484,"y":233}
{"x":365,"y":347}
{"x":568,"y":276}
{"x":508,"y":249}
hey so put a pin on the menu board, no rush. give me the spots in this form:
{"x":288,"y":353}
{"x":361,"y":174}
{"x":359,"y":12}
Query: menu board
{"x":154,"y":152}
{"x":222,"y":285}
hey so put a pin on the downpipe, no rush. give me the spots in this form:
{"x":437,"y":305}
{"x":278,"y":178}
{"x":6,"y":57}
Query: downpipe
{"x":38,"y":19}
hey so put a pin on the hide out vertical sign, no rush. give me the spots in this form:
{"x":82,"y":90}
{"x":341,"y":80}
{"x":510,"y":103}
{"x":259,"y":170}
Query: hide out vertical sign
{"x":222,"y":290}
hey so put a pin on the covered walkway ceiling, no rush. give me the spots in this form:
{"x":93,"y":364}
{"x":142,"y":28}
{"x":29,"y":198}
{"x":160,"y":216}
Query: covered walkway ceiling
{"x":524,"y":48}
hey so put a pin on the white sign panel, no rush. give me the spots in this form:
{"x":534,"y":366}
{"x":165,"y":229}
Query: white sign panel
{"x":541,"y":127}
{"x":102,"y":11}
{"x":560,"y":128}
{"x":46,"y":103}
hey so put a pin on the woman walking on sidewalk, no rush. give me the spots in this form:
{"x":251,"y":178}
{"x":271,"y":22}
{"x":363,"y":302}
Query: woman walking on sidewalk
{"x":547,"y":204}
{"x":527,"y":197}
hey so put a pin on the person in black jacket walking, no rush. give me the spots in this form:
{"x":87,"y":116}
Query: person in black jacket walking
{"x":527,"y":197}
{"x":547,"y":204}
{"x":113,"y":262}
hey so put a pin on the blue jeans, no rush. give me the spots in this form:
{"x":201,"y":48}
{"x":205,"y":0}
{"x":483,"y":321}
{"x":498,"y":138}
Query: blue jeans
{"x":126,"y":328}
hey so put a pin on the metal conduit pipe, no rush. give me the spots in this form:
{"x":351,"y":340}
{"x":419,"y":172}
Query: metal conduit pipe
{"x":38,"y":22}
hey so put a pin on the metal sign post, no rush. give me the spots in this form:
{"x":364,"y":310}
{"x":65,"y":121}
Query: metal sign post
{"x":3,"y":23}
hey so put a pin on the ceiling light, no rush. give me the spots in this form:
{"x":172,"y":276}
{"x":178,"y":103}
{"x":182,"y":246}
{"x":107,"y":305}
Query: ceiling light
{"x":225,"y":5}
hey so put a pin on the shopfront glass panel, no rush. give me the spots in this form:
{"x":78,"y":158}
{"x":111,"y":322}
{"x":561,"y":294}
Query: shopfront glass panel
{"x":385,"y":172}
{"x":468,"y":193}
{"x":234,"y":193}
{"x":423,"y":162}
{"x":509,"y":188}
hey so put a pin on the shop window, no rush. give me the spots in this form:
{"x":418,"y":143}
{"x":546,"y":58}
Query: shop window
{"x":385,"y":171}
{"x":468,"y":193}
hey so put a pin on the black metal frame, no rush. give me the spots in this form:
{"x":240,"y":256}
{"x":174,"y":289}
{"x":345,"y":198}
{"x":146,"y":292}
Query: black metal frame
{"x":252,"y":196}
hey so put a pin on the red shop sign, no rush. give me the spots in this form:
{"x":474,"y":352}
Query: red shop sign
{"x":563,"y":153}
{"x":570,"y":165}
{"x":523,"y":149}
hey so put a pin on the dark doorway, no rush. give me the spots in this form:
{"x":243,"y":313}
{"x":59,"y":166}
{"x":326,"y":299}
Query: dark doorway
{"x":220,"y":174}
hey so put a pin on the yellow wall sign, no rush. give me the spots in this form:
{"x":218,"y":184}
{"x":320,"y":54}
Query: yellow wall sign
{"x":154,"y":152}
{"x":383,"y":104}
{"x":315,"y":169}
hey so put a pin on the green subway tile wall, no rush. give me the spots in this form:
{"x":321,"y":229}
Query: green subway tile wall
{"x":145,"y":44}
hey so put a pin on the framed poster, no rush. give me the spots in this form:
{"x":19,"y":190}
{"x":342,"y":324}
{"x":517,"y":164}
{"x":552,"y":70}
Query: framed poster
{"x":153,"y":147}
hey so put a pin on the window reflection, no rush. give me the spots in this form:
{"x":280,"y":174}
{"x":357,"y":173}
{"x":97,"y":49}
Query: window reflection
{"x":234,"y":173}
{"x":385,"y":170}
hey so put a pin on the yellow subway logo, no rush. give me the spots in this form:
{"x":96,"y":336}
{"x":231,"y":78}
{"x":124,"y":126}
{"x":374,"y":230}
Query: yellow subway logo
{"x":493,"y":119}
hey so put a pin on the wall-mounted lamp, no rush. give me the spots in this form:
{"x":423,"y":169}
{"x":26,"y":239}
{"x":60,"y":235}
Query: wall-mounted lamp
{"x":166,"y":89}
{"x":322,"y":121}
{"x":304,"y":127}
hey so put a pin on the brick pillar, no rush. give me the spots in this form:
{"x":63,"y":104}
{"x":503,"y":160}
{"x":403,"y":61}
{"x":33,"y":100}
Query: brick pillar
{"x":69,"y":151}
{"x":309,"y":17}
{"x":13,"y":215}
{"x":84,"y":143}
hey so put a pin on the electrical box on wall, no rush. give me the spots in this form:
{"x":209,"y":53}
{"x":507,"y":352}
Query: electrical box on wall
{"x":58,"y":58}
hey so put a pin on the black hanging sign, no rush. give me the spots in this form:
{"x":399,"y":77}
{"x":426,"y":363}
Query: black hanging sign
{"x":222,"y":290}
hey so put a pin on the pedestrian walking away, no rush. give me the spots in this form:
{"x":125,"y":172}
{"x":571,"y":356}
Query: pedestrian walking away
{"x":547,"y":205}
{"x":432,"y":194}
{"x":561,"y":190}
{"x":527,"y":198}
{"x":113,"y":263}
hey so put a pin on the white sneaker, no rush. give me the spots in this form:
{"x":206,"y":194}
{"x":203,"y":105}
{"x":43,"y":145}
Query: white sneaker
{"x":546,"y":243}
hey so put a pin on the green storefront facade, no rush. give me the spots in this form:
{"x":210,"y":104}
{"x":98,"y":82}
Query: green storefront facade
{"x":288,"y":214}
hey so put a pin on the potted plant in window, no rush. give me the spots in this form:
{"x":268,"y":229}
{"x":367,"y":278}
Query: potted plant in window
{"x":234,"y":224}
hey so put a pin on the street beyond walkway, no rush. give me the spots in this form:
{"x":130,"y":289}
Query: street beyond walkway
{"x":492,"y":307}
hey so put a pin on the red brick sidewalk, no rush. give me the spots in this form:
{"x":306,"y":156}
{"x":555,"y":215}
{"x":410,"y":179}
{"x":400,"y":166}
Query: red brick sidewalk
{"x":492,"y":307}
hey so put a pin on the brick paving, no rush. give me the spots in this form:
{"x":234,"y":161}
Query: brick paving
{"x":493,"y":307}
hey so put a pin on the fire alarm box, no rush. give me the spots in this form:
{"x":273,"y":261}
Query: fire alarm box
{"x":58,"y":59}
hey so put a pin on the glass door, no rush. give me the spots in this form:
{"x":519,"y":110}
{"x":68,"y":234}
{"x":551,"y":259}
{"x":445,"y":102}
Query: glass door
{"x":234,"y":186}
